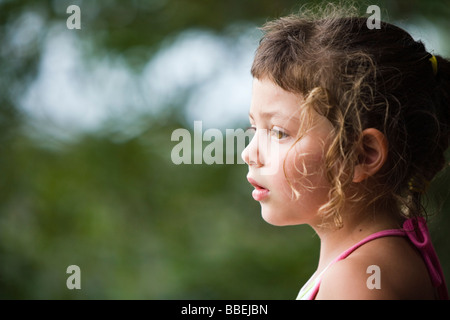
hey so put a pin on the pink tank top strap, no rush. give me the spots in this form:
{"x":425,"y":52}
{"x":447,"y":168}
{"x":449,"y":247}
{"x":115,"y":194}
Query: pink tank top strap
{"x":380,"y":234}
{"x":417,"y":232}
{"x":346,"y":253}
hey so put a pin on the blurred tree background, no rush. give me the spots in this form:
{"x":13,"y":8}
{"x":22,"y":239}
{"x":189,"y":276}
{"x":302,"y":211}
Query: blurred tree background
{"x":86,"y":177}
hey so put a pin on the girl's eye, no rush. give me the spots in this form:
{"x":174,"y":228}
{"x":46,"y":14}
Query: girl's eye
{"x":278,"y":133}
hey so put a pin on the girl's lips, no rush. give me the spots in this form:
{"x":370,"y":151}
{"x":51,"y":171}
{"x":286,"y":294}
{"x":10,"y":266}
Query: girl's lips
{"x":260,"y":192}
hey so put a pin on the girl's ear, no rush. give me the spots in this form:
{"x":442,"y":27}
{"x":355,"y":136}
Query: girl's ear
{"x":373,"y":156}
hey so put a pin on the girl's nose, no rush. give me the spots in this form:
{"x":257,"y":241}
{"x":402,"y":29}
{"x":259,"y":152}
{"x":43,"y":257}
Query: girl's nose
{"x":251,"y":154}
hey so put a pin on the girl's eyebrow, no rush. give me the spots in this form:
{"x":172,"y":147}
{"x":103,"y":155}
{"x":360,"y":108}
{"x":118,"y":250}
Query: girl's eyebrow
{"x":268,"y":114}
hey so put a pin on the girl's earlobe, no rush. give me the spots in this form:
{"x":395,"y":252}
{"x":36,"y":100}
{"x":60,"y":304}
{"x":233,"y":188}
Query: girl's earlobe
{"x":373,"y":155}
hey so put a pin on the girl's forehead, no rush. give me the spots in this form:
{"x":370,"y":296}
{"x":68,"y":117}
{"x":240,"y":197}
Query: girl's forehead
{"x":271,"y":101}
{"x":271,"y":90}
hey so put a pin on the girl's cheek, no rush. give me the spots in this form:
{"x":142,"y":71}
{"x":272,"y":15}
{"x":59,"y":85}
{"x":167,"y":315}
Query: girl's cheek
{"x":305,"y":167}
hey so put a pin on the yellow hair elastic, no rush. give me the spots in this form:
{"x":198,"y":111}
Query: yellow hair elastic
{"x":418,"y":184}
{"x":434,"y":64}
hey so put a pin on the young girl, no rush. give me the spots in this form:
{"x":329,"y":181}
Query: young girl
{"x":351,"y":124}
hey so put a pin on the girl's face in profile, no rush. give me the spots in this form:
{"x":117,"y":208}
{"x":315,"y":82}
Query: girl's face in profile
{"x":279,"y":164}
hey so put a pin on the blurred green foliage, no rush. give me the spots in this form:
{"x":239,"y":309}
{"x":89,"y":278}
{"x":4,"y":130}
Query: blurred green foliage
{"x":138,"y":226}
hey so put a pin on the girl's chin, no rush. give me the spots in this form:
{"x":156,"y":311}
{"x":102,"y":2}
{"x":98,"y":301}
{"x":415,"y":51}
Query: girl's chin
{"x":275,"y":217}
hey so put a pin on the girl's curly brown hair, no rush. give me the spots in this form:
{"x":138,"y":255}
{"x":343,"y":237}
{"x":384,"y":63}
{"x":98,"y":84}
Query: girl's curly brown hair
{"x":362,"y":78}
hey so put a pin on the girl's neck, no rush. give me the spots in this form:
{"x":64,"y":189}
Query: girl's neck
{"x":334,"y":241}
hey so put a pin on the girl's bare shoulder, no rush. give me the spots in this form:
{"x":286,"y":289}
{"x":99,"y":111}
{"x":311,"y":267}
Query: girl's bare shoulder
{"x":385,"y":268}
